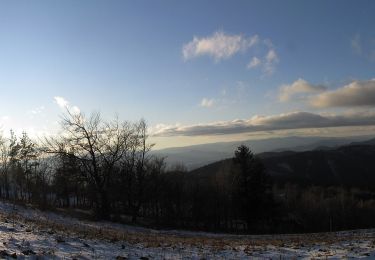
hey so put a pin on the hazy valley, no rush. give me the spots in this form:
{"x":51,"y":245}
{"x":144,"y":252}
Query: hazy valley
{"x":199,"y":155}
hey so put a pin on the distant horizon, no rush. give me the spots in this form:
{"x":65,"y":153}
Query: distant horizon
{"x":359,"y":136}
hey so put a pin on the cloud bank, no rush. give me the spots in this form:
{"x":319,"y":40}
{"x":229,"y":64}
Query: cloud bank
{"x":293,"y":120}
{"x":355,"y":94}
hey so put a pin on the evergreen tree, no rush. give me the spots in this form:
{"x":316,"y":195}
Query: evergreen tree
{"x":251,"y":186}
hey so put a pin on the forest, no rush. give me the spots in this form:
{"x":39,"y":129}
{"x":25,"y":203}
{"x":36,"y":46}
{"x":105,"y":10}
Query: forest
{"x":106,"y":168}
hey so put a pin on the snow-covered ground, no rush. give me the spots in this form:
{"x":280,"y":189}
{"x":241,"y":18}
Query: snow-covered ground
{"x":27,"y":233}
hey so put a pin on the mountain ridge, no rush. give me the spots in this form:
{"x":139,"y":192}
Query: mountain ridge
{"x":199,"y":155}
{"x":348,"y":165}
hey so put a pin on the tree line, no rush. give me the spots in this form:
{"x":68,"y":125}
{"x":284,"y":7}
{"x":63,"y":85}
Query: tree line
{"x":106,"y":167}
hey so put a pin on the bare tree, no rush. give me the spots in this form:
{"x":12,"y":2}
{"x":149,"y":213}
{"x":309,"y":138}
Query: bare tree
{"x":98,"y":146}
{"x":135,"y":167}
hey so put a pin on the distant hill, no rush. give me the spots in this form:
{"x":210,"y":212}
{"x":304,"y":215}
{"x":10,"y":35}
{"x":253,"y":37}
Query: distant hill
{"x":199,"y":155}
{"x":367,"y":142}
{"x":352,"y":165}
{"x":346,"y":165}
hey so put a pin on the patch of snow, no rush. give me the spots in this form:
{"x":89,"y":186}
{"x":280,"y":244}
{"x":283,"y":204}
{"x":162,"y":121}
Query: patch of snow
{"x":28,"y":233}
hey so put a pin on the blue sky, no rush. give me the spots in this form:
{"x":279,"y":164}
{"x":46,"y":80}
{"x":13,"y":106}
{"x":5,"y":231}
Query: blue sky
{"x":197,"y":71}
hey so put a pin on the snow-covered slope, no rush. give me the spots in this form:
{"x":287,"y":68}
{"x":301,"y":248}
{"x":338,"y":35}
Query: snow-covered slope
{"x":28,"y":233}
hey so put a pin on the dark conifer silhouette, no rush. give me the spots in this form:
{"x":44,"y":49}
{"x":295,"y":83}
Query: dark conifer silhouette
{"x":251,"y":186}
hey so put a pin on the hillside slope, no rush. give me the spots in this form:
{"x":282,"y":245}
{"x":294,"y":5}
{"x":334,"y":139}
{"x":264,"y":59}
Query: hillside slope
{"x":348,"y":165}
{"x":352,"y":165}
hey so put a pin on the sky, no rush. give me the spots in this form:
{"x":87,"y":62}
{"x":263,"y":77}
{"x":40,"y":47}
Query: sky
{"x":196,"y":71}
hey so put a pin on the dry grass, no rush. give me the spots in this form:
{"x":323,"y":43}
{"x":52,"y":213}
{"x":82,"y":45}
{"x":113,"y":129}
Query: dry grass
{"x":165,"y":239}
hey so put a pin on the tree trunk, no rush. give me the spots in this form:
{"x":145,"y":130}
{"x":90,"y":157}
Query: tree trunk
{"x":103,"y":207}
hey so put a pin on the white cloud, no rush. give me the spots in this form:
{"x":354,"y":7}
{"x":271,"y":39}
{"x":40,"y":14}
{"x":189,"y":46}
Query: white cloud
{"x":271,"y":60}
{"x":64,"y":104}
{"x":205,"y":102}
{"x":255,"y":62}
{"x":268,"y":63}
{"x":293,"y":120}
{"x":222,"y":46}
{"x":37,"y":110}
{"x":298,"y":87}
{"x":61,"y":102}
{"x":355,"y":94}
{"x":75,"y":110}
{"x":219,"y":45}
{"x":272,"y":56}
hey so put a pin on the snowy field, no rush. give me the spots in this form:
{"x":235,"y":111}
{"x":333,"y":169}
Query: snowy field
{"x":27,"y":233}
